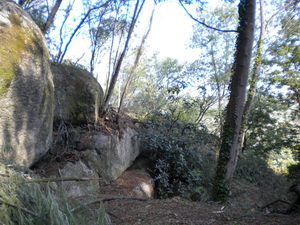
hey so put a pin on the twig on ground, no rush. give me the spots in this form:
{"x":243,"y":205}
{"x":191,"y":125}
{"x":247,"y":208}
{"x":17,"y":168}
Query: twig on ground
{"x":287,"y":202}
{"x":108,"y":199}
{"x":114,"y":215}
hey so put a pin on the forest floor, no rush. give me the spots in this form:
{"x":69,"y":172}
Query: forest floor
{"x":243,"y":208}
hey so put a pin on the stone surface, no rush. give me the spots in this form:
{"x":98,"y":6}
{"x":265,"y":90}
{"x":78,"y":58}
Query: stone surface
{"x":26,"y":88}
{"x":110,"y":155}
{"x":93,"y":155}
{"x":79,"y":188}
{"x":78,"y":95}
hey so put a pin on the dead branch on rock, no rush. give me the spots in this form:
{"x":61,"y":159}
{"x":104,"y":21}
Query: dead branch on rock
{"x":294,"y":206}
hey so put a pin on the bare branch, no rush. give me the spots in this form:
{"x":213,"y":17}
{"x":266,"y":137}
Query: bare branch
{"x":277,"y":12}
{"x":78,"y":27}
{"x":59,"y":179}
{"x":50,"y":18}
{"x":202,"y":23}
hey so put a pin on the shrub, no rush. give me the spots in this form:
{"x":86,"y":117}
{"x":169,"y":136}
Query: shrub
{"x":173,"y":147}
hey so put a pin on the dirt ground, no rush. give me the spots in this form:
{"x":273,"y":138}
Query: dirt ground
{"x":242,"y":209}
{"x":177,"y":211}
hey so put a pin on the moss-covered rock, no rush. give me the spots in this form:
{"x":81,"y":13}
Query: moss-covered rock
{"x":78,"y":95}
{"x":26,"y":88}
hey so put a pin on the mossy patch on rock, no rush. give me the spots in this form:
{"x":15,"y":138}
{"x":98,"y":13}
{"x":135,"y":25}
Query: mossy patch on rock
{"x":15,"y":39}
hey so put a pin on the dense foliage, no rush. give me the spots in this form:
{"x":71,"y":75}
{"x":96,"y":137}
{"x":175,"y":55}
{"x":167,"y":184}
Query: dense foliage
{"x":181,"y":158}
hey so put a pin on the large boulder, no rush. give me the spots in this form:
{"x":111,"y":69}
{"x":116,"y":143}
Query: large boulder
{"x":26,"y":88}
{"x":78,"y":95}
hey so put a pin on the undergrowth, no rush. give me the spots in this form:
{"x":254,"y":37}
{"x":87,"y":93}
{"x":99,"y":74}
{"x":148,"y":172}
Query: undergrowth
{"x":184,"y":162}
{"x":176,"y":151}
{"x":24,"y":201}
{"x":255,"y":170}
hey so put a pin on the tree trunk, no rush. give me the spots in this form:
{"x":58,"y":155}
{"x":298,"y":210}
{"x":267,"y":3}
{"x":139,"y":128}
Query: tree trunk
{"x":115,"y":75}
{"x":230,"y":137}
{"x":137,"y":59}
{"x":254,"y":77}
{"x":50,"y":18}
{"x":256,"y":69}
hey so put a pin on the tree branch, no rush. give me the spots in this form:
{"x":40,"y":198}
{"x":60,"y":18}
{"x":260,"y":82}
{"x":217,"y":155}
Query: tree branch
{"x":50,"y":18}
{"x":78,"y":27}
{"x":202,"y":23}
{"x":59,"y":179}
{"x":278,"y":200}
{"x":277,"y":12}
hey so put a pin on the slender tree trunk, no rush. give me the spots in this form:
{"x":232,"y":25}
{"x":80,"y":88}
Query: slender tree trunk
{"x":218,"y":89}
{"x":230,"y":137}
{"x":50,"y":18}
{"x":137,"y":59}
{"x":115,"y":75}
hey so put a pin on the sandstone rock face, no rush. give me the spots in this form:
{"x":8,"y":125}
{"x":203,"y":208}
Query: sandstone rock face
{"x":93,"y":155}
{"x":79,"y":188}
{"x":110,"y":155}
{"x":26,"y":88}
{"x":78,"y":95}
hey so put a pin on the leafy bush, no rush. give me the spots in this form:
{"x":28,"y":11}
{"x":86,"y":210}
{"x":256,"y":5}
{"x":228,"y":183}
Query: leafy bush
{"x":174,"y":149}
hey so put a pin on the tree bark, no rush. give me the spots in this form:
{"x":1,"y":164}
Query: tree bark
{"x":115,"y":75}
{"x":137,"y":59}
{"x":256,"y":69}
{"x":230,"y":137}
{"x":50,"y":18}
